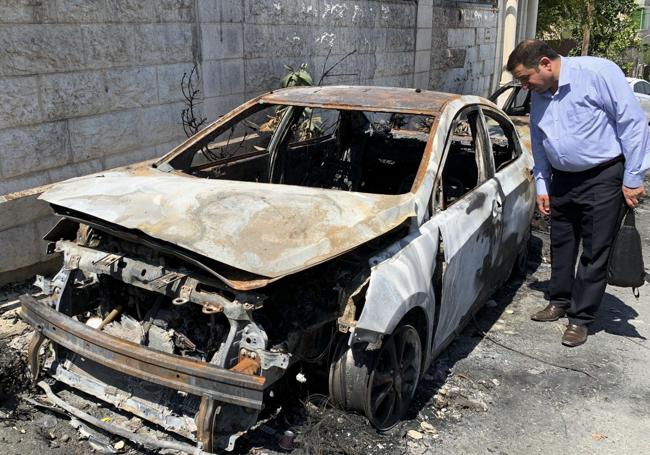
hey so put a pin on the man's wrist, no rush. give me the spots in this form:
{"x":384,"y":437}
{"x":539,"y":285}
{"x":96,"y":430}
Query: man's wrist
{"x":632,"y":181}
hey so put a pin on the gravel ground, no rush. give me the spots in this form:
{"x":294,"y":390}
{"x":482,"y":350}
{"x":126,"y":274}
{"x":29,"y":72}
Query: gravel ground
{"x":505,"y":386}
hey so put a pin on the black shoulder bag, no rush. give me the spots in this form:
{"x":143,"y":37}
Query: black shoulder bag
{"x":625,"y":266}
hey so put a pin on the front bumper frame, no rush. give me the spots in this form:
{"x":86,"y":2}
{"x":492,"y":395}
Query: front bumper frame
{"x":168,"y":370}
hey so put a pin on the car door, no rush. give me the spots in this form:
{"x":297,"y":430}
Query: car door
{"x":513,"y":173}
{"x":468,"y":210}
{"x":513,"y":99}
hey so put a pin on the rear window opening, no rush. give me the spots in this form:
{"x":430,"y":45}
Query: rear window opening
{"x":369,"y":152}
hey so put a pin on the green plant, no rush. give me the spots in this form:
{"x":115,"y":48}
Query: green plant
{"x":296,"y":77}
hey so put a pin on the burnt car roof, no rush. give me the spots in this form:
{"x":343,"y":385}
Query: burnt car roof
{"x":380,"y":99}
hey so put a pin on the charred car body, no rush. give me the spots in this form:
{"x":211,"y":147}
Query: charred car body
{"x":346,"y":230}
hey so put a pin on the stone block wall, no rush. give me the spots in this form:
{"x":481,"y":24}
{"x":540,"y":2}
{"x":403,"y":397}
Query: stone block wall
{"x":87,"y":85}
{"x":463,"y":46}
{"x":245,"y":44}
{"x":24,"y":220}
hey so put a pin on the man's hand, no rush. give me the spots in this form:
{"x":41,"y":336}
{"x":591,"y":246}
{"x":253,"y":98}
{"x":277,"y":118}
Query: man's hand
{"x":633,"y":195}
{"x":544,"y":204}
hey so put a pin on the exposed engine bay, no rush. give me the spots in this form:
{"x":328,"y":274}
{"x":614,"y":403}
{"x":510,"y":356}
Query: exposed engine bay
{"x":116,"y":289}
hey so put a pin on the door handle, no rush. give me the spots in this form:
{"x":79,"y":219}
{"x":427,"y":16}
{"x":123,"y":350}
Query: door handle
{"x":496,"y":208}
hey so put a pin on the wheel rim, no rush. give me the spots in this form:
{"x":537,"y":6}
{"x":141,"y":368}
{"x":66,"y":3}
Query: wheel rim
{"x":393,"y":380}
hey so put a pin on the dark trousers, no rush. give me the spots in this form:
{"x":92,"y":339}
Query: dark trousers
{"x":584,"y":206}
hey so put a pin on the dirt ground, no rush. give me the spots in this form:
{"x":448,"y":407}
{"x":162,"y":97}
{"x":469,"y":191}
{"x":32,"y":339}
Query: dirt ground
{"x":505,"y":386}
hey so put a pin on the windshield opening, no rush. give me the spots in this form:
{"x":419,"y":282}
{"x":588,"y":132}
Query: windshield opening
{"x":369,"y":152}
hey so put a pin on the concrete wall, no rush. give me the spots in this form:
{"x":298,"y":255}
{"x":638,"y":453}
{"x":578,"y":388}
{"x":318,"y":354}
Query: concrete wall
{"x":463,"y":46}
{"x":87,"y":85}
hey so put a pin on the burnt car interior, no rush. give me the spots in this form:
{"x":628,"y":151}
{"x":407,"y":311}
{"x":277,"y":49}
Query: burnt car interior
{"x":460,"y":173}
{"x":370,"y":152}
{"x":504,"y":148}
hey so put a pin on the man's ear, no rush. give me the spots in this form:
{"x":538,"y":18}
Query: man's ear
{"x":545,"y":63}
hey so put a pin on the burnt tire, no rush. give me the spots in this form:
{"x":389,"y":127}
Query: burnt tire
{"x":379,"y":383}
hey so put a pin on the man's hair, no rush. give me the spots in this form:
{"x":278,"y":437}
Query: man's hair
{"x":529,"y":53}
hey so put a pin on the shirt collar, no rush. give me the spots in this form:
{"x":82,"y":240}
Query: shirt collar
{"x":565,"y":66}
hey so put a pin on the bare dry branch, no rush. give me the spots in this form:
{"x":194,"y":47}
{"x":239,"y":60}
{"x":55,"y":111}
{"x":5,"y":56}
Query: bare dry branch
{"x":191,"y":123}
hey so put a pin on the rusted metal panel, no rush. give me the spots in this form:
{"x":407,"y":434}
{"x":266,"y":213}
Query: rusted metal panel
{"x":265,"y":229}
{"x":176,"y":372}
{"x":378,"y":99}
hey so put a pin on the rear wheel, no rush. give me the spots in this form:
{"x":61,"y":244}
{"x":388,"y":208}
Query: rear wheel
{"x":379,"y":383}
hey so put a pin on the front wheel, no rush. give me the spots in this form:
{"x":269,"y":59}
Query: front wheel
{"x":379,"y":383}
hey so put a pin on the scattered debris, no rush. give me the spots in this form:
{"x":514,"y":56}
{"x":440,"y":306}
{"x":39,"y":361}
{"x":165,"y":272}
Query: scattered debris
{"x":470,"y":403}
{"x":598,"y":437}
{"x":439,"y":401}
{"x":428,"y":428}
{"x":413,"y":434}
{"x":13,"y":371}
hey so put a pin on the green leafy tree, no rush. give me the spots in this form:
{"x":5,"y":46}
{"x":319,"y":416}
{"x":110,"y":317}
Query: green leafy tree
{"x":601,"y":28}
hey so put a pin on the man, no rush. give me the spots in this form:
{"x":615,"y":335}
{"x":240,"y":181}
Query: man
{"x":590,"y":146}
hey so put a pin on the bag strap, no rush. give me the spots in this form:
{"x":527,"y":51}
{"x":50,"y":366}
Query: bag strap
{"x":629,"y":218}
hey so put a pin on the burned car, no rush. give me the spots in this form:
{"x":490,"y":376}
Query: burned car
{"x":346,"y":232}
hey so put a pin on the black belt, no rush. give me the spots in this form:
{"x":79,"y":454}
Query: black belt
{"x":608,"y":163}
{"x":618,"y":159}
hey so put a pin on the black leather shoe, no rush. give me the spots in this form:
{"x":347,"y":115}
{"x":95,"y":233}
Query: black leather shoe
{"x":549,"y":314}
{"x":574,"y":335}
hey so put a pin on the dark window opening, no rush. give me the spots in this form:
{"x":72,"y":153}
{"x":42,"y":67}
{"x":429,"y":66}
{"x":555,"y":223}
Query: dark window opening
{"x":642,"y":87}
{"x":502,"y":139}
{"x":354,"y":151}
{"x":461,"y":171}
{"x":370,"y":152}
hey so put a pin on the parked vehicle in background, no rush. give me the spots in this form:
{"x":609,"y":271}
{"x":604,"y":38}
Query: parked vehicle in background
{"x":641,"y":89}
{"x":639,"y":85}
{"x":343,"y":232}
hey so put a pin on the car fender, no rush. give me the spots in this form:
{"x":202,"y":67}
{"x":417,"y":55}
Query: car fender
{"x":401,"y":279}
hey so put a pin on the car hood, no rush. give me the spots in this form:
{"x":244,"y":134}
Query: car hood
{"x":266,"y":229}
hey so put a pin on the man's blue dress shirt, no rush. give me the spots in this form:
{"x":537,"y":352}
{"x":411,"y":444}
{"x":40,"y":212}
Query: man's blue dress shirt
{"x":592,"y":118}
